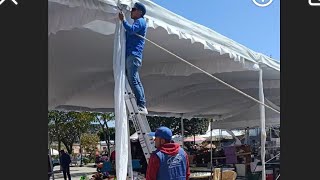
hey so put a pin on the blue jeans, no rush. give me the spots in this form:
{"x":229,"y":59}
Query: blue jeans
{"x":133,"y":65}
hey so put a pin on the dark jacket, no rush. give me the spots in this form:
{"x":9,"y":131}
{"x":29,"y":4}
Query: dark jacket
{"x":65,"y":160}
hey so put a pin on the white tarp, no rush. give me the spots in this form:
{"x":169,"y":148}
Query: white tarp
{"x":54,"y":152}
{"x":119,"y":105}
{"x":81,"y":36}
{"x":220,"y":133}
{"x":248,"y":117}
{"x":84,"y":37}
{"x":69,"y":14}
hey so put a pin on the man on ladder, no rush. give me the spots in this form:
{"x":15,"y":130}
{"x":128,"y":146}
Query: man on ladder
{"x":134,"y":50}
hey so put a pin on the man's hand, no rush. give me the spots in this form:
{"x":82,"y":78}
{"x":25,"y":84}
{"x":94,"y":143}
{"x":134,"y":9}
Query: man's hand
{"x":121,"y":17}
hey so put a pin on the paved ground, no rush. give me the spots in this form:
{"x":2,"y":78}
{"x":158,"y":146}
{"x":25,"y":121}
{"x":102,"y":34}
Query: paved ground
{"x":76,"y":172}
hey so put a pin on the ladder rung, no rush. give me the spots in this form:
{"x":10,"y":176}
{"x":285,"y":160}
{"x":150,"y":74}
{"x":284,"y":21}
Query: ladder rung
{"x":140,"y":123}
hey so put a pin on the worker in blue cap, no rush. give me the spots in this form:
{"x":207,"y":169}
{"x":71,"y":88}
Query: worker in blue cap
{"x":134,"y":51}
{"x":169,"y":161}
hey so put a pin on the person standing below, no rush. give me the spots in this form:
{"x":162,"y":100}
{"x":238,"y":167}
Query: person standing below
{"x":113,"y":156}
{"x":49,"y":167}
{"x":113,"y":159}
{"x":134,"y":50}
{"x":65,"y":161}
{"x":169,"y":161}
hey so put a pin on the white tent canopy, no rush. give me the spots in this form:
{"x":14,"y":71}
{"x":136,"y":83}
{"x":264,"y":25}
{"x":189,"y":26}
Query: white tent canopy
{"x":215,"y":134}
{"x":81,"y":36}
{"x":54,"y":151}
{"x":248,"y":117}
{"x":81,"y":46}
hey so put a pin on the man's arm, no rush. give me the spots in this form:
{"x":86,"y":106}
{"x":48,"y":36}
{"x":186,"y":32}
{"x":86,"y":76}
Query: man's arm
{"x":153,"y":167}
{"x":188,"y":166}
{"x":61,"y":160}
{"x":134,"y":28}
{"x":69,"y":159}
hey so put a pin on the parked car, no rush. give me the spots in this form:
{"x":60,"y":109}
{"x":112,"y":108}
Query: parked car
{"x":55,"y":162}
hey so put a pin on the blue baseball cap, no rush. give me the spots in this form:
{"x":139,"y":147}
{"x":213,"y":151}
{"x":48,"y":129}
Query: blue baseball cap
{"x":162,"y":132}
{"x":141,"y":7}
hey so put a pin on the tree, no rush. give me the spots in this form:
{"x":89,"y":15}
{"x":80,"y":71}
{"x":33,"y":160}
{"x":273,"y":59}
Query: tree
{"x":89,"y":143}
{"x":79,"y":123}
{"x":195,"y":126}
{"x":192,"y":126}
{"x":112,"y":133}
{"x":55,"y":126}
{"x":102,"y":119}
{"x":171,"y":122}
{"x":67,"y":127}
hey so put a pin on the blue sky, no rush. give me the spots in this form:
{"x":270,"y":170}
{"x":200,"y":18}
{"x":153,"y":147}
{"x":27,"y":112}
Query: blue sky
{"x":257,"y":28}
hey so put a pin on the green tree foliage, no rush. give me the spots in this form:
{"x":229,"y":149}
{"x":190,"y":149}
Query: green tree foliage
{"x":195,"y":126}
{"x":192,"y":126}
{"x":56,"y":124}
{"x":89,"y":143}
{"x":103,"y":119}
{"x":66,"y":127}
{"x":112,"y":132}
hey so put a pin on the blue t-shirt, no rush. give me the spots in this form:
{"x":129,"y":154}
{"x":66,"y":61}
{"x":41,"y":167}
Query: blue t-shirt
{"x":134,"y":43}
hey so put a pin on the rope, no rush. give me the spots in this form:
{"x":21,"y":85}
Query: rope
{"x":272,"y":158}
{"x":205,"y":72}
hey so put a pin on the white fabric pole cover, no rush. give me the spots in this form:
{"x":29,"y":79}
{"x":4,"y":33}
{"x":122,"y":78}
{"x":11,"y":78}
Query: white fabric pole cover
{"x":130,"y":170}
{"x":182,"y":131}
{"x":263,"y":126}
{"x":211,"y":125}
{"x":121,"y":124}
